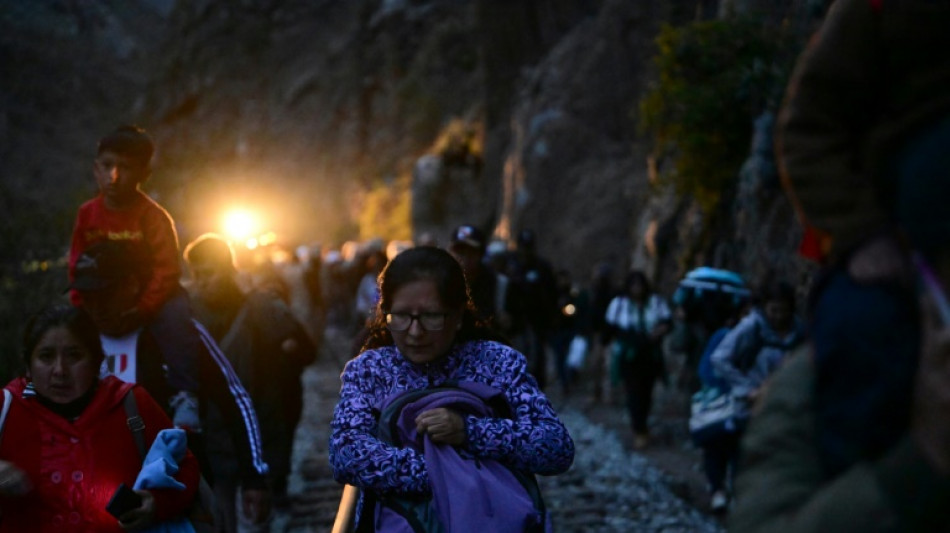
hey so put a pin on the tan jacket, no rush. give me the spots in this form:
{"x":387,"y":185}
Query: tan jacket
{"x":876,"y":71}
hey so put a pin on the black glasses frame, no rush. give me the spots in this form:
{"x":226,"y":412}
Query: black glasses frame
{"x":425,"y":320}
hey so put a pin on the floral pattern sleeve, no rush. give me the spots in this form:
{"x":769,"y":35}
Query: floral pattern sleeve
{"x":535,"y":440}
{"x":356,"y":455}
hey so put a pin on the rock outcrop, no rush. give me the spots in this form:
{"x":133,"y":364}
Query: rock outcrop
{"x":298,"y":106}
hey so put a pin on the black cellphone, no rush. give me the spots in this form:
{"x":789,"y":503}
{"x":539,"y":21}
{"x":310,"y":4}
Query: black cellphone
{"x":123,"y":500}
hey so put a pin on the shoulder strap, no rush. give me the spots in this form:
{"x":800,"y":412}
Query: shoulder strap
{"x":7,"y":400}
{"x":135,"y":422}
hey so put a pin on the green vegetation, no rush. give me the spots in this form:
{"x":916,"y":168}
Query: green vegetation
{"x":460,"y":144}
{"x":386,"y":210}
{"x":713,"y":79}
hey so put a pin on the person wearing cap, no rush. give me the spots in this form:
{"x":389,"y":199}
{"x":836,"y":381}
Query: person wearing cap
{"x":105,"y":275}
{"x":532,"y":301}
{"x":468,"y":247}
{"x":268,"y":348}
{"x":122,"y":212}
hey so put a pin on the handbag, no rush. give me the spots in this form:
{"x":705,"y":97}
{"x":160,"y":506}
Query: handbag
{"x":713,"y":413}
{"x":577,"y":352}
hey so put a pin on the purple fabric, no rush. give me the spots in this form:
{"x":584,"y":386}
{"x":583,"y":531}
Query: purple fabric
{"x":470,"y":496}
{"x":534,"y":440}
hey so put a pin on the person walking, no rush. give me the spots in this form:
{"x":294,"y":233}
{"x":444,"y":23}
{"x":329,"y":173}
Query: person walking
{"x":425,"y":338}
{"x":268,"y":349}
{"x":639,"y":319}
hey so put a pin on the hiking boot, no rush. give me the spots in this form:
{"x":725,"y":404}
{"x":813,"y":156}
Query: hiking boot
{"x":184,"y":406}
{"x":719,"y":503}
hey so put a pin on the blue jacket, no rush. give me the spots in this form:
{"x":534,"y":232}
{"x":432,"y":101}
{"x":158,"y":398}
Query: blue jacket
{"x":770,"y":350}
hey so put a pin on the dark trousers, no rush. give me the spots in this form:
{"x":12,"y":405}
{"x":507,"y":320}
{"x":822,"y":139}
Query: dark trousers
{"x":178,"y":341}
{"x":560,"y":345}
{"x":720,"y":458}
{"x":639,"y":378}
{"x":532,"y":342}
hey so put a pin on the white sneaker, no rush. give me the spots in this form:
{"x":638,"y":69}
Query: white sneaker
{"x":719,"y":502}
{"x":184,"y":406}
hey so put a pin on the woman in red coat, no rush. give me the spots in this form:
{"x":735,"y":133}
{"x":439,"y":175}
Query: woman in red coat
{"x":66,"y":444}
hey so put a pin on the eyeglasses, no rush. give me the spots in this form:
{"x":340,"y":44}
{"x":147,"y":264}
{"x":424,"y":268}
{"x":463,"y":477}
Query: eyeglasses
{"x":403,"y":321}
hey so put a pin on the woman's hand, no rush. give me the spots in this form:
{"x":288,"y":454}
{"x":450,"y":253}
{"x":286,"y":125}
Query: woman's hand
{"x":442,"y":425}
{"x":140,"y":518}
{"x":13,"y":482}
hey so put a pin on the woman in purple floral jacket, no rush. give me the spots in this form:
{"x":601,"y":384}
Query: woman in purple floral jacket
{"x":425,"y":335}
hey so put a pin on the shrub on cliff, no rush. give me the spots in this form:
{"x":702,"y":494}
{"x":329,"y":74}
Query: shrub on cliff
{"x":713,"y":78}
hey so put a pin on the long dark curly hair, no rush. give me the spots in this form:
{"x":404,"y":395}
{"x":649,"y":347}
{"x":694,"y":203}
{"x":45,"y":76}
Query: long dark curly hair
{"x":432,"y":264}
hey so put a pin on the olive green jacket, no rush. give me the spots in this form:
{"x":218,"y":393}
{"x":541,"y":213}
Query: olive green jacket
{"x":781,"y":486}
{"x":876,"y":71}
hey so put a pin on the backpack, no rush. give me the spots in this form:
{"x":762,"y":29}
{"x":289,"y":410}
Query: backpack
{"x":420,"y":515}
{"x":710,"y":295}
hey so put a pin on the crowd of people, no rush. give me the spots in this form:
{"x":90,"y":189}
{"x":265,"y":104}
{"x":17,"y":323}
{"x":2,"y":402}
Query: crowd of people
{"x":145,"y":402}
{"x":597,"y":339}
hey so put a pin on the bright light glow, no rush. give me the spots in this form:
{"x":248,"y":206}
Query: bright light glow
{"x":240,"y":224}
{"x":251,"y":244}
{"x":569,"y":310}
{"x":268,"y":238}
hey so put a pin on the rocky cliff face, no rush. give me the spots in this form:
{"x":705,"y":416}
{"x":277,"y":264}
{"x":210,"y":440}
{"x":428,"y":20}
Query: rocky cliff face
{"x":71,"y":70}
{"x":297,"y":107}
{"x":577,"y":170}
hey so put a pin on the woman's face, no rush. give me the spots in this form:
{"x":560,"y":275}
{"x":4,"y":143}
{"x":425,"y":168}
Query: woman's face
{"x":636,"y":290}
{"x":416,"y":343}
{"x":779,"y":314}
{"x":62,"y":369}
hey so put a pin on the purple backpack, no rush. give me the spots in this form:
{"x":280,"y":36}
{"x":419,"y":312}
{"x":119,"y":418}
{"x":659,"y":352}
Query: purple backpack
{"x":469,"y":495}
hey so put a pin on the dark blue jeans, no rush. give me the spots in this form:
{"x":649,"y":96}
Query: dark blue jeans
{"x":177,"y":339}
{"x":720,"y":458}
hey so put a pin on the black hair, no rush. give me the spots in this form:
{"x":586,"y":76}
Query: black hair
{"x":210,"y":249}
{"x":637,"y":276}
{"x":526,"y":239}
{"x":432,"y":264}
{"x":74,"y":319}
{"x":778,"y":290}
{"x":130,"y":141}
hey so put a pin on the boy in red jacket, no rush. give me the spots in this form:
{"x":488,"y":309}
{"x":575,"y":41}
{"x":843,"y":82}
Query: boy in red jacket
{"x":122,"y":212}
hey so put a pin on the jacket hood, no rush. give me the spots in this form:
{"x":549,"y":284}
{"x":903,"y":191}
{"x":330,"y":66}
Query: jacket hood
{"x":109,"y":394}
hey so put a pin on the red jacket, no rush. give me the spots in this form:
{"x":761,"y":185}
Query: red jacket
{"x":75,"y":467}
{"x":143,"y":223}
